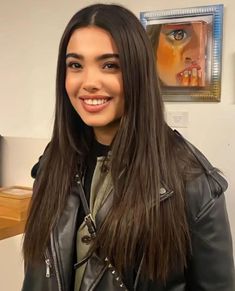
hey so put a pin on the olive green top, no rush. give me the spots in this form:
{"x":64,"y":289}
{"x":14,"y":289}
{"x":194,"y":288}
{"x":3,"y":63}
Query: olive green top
{"x":101,"y":186}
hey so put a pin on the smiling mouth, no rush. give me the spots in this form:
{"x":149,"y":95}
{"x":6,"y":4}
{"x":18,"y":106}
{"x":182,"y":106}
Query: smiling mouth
{"x":95,"y":102}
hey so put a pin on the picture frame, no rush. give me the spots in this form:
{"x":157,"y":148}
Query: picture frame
{"x":187,"y":44}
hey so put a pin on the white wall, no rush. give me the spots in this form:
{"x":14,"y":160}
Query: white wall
{"x":30,"y":33}
{"x":11,"y":264}
{"x":19,"y":155}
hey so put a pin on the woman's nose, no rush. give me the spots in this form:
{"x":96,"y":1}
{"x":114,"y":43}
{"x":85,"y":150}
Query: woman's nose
{"x":91,"y":80}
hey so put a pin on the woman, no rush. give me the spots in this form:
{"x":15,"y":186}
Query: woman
{"x":121,"y":202}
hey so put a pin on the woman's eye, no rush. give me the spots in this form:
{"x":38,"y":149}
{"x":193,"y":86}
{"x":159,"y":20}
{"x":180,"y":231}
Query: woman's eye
{"x":177,"y":35}
{"x":111,"y":66}
{"x":74,"y":65}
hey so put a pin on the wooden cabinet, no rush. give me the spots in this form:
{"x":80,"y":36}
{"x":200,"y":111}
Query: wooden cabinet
{"x":14,"y":203}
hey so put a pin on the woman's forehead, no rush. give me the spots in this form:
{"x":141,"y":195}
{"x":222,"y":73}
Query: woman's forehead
{"x":91,"y":38}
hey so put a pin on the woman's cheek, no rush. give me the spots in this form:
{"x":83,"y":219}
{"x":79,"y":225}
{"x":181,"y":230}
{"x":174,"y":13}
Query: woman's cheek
{"x":71,"y":85}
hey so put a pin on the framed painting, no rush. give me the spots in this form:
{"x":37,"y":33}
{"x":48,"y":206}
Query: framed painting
{"x":187,"y":44}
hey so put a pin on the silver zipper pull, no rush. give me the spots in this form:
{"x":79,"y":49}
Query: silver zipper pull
{"x":89,"y":221}
{"x":48,"y":268}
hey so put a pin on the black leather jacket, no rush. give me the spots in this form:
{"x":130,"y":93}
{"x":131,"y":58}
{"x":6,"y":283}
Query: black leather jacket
{"x":210,"y":268}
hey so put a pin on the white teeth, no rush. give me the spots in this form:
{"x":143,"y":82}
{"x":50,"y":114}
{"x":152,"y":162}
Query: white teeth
{"x":95,"y":101}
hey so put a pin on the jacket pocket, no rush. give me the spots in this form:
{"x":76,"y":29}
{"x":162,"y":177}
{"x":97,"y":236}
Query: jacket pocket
{"x":205,"y":210}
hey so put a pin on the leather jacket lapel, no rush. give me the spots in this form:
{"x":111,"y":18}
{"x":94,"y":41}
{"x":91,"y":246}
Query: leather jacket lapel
{"x":103,"y":211}
{"x":95,"y":266}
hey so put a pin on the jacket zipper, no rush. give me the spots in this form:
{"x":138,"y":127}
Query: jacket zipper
{"x":48,"y":264}
{"x":55,"y":263}
{"x":48,"y":267}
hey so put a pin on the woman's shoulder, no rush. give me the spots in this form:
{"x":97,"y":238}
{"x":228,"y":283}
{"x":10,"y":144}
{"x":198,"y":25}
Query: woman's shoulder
{"x":202,"y":193}
{"x":203,"y":182}
{"x":39,"y":163}
{"x":205,"y":187}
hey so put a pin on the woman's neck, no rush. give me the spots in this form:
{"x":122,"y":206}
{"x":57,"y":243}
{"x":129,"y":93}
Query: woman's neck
{"x":105,"y":135}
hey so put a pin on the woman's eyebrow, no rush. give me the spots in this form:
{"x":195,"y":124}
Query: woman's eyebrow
{"x":107,"y":56}
{"x":98,"y":58}
{"x":74,"y":55}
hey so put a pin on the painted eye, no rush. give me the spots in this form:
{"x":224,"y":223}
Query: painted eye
{"x":178,"y":35}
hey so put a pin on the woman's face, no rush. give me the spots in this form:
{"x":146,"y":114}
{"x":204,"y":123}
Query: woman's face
{"x":181,"y":54}
{"x":94,"y":80}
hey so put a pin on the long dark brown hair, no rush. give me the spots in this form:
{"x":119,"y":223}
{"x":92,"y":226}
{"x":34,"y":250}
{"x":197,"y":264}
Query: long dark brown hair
{"x":145,"y":154}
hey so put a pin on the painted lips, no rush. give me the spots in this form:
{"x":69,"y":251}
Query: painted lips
{"x":190,"y":71}
{"x":94,"y":104}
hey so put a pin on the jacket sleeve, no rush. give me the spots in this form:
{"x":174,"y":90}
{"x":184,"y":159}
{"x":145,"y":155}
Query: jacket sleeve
{"x":35,"y":279}
{"x":211,"y":266}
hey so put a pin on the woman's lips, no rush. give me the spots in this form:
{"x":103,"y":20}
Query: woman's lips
{"x":94,"y":104}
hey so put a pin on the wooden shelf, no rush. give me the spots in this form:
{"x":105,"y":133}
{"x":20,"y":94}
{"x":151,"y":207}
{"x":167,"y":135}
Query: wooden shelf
{"x":14,"y":202}
{"x":10,"y":227}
